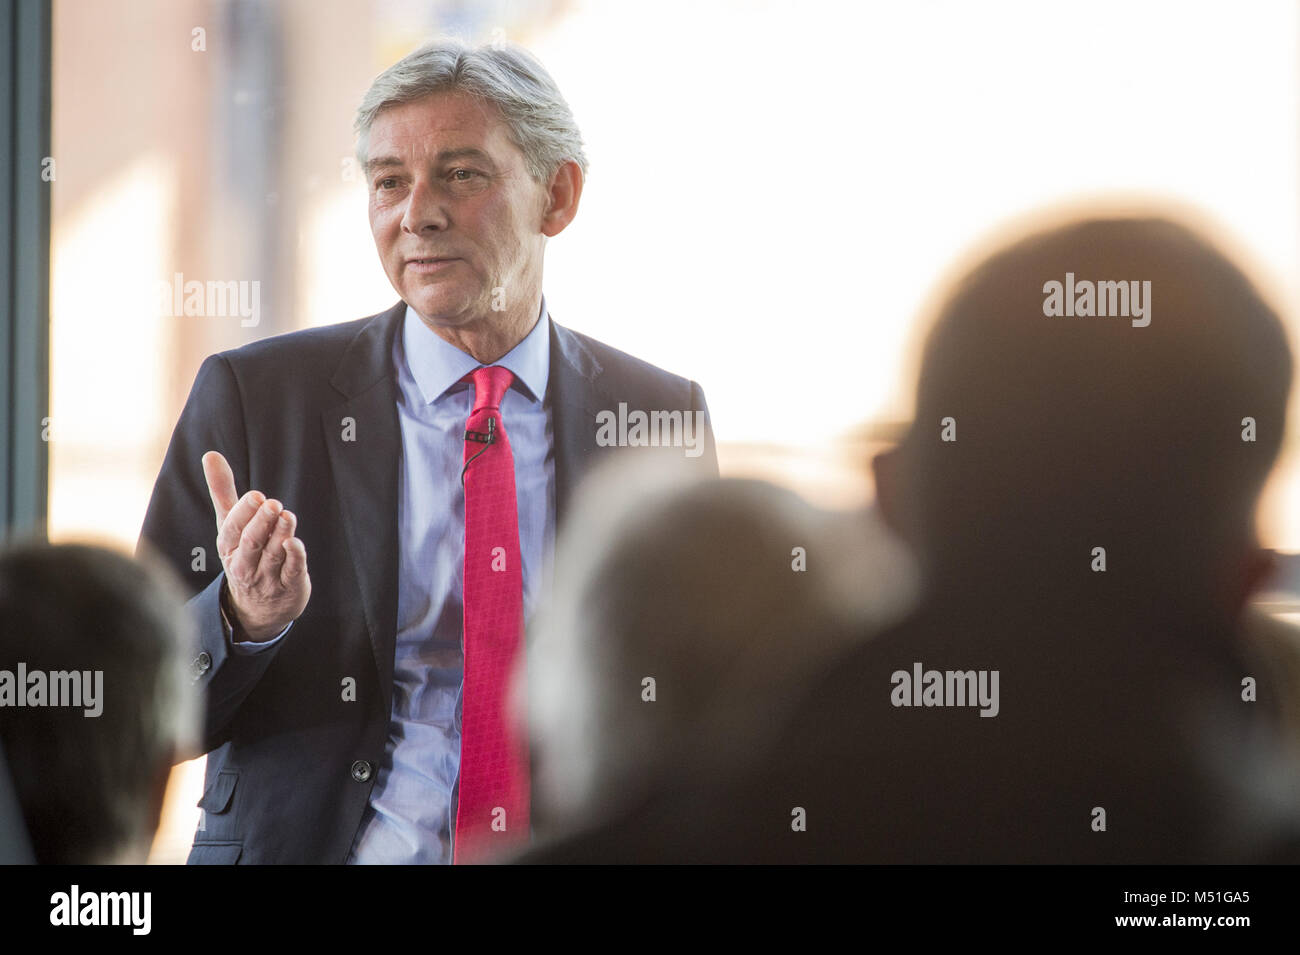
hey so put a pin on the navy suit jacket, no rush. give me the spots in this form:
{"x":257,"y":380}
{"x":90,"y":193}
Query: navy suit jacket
{"x":291,"y":763}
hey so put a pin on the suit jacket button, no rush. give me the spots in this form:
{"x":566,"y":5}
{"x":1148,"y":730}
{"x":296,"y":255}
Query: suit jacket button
{"x":361,"y":770}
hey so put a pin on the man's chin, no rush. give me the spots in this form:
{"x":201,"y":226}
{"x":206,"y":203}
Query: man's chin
{"x":439,"y":307}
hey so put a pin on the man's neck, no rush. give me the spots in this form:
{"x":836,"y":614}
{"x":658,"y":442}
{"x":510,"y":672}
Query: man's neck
{"x":493,"y":336}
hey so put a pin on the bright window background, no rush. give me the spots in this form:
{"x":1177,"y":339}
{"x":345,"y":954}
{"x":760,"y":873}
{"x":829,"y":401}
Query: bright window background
{"x":775,"y":188}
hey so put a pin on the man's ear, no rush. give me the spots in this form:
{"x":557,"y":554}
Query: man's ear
{"x":562,"y":198}
{"x":886,"y":468}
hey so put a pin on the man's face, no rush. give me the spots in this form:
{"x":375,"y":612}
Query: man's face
{"x":453,"y":209}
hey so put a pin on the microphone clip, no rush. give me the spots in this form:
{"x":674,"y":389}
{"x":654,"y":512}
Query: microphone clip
{"x":485,"y":438}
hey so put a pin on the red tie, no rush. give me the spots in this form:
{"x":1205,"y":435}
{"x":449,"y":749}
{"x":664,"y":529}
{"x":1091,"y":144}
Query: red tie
{"x":492,"y":813}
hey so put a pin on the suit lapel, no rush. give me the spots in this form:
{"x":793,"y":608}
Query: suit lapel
{"x":575,"y":399}
{"x":365,"y":472}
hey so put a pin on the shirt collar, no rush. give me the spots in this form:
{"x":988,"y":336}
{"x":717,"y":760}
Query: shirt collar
{"x":437,"y":365}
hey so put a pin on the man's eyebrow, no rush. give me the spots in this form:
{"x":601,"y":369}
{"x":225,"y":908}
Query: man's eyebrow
{"x":383,"y":162}
{"x":447,"y":155}
{"x":466,"y":152}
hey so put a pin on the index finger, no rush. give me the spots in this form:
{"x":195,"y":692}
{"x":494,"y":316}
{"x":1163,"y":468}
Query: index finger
{"x":221,"y":484}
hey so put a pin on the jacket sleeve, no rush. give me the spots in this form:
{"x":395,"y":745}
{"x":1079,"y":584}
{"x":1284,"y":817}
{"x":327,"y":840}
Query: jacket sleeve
{"x":180,"y":527}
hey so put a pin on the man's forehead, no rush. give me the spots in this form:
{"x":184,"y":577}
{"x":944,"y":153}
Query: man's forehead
{"x":437,"y":123}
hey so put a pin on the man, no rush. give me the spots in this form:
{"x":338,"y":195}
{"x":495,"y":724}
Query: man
{"x":423,"y":459}
{"x":1079,"y":489}
{"x":96,"y":702}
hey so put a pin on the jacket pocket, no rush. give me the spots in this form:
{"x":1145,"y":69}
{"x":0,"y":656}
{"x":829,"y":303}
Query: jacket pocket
{"x":216,"y":798}
{"x":209,"y":854}
{"x":217,"y":820}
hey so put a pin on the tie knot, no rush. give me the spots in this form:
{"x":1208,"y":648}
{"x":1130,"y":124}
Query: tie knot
{"x":490,"y":385}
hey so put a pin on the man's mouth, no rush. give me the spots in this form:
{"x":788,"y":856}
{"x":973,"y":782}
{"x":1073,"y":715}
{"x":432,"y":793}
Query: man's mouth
{"x":432,"y":264}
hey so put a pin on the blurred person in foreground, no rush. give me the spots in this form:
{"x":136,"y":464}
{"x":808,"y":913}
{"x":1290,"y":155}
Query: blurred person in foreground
{"x":96,"y":697}
{"x":1079,"y":490}
{"x":15,"y":849}
{"x":683,"y":603}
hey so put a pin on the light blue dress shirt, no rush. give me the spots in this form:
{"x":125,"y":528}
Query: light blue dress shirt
{"x":412,"y":811}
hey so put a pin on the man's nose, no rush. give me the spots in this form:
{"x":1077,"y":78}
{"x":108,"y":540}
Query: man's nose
{"x":424,"y":209}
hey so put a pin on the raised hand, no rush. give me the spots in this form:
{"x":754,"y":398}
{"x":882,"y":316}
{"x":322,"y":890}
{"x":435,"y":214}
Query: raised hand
{"x":265,"y":564}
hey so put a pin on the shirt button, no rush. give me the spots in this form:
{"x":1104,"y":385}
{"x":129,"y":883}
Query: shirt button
{"x":361,"y":770}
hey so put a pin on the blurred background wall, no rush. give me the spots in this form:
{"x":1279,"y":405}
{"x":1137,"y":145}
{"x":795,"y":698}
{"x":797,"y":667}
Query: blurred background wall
{"x":776,"y":186}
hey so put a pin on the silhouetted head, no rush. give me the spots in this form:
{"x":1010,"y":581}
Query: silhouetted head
{"x":1040,"y":435}
{"x":98,"y":644}
{"x":711,"y":600}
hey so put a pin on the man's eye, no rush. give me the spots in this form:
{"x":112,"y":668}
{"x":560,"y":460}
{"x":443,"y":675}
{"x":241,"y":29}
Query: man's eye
{"x":463,"y":175}
{"x":383,"y":182}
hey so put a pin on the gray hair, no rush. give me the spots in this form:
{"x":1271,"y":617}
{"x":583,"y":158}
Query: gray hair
{"x":508,"y":76}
